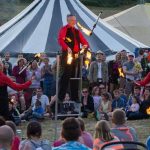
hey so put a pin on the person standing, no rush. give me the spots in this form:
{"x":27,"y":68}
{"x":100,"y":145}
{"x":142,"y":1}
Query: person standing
{"x":4,"y":82}
{"x":98,"y":71}
{"x":70,"y":40}
{"x":130,"y":73}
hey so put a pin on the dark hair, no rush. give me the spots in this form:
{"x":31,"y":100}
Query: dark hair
{"x":70,"y":15}
{"x":71,"y":129}
{"x":34,"y":129}
{"x":37,"y":103}
{"x":141,"y":51}
{"x":2,"y":121}
{"x":82,"y":125}
{"x":137,"y":87}
{"x":11,"y":125}
{"x":106,"y":95}
{"x":118,"y":117}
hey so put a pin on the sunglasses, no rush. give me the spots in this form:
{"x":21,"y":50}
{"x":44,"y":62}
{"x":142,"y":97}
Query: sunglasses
{"x":84,"y":91}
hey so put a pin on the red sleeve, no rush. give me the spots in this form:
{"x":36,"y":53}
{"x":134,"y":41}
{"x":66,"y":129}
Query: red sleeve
{"x":83,"y":40}
{"x":18,"y":87}
{"x":61,"y":38}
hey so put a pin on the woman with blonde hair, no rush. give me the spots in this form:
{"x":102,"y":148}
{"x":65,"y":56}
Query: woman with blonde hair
{"x":103,"y":136}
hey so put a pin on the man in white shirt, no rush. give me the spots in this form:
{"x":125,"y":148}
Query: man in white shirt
{"x":42,"y":98}
{"x":44,"y":103}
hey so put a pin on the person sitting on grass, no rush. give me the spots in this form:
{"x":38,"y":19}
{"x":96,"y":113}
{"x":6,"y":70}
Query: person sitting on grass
{"x":134,"y":108}
{"x":121,"y":130}
{"x":34,"y":141}
{"x":85,"y":137}
{"x":71,"y":132}
{"x":16,"y":139}
{"x":68,"y":106}
{"x":117,"y":102}
{"x":14,"y":114}
{"x":38,"y":111}
{"x":103,"y":136}
{"x":87,"y":106}
{"x":105,"y":107}
{"x":6,"y":137}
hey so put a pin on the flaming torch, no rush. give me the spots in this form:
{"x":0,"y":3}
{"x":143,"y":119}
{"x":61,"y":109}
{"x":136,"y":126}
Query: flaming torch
{"x":69,"y":58}
{"x":121,"y":73}
{"x":148,"y":111}
{"x":30,"y":62}
{"x":89,"y":32}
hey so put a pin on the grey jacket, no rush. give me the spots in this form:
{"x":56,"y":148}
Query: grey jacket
{"x":93,"y":72}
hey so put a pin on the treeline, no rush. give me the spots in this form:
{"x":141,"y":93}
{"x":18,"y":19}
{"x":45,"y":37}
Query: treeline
{"x":112,"y":3}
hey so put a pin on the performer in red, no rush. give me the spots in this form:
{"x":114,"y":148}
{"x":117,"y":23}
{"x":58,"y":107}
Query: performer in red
{"x":145,"y":81}
{"x":4,"y":82}
{"x":70,"y":40}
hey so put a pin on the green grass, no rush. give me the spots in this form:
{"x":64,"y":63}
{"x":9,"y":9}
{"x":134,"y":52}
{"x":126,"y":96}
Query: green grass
{"x":142,"y":127}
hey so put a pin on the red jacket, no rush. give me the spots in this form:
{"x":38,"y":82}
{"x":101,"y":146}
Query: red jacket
{"x":62,"y":37}
{"x":6,"y":81}
{"x":145,"y":81}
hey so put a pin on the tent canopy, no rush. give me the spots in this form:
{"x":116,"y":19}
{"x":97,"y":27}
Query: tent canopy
{"x":36,"y":29}
{"x":134,"y":22}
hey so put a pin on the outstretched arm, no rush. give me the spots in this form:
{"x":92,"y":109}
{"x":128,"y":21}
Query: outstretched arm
{"x":18,"y":87}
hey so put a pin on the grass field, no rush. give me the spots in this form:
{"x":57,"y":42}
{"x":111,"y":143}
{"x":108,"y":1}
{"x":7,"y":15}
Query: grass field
{"x":142,"y":127}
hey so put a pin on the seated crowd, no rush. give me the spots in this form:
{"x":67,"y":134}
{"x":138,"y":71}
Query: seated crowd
{"x":109,"y":88}
{"x":73,"y":135}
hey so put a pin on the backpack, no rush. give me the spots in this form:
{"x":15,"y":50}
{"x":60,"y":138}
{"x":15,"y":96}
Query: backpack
{"x":42,"y":145}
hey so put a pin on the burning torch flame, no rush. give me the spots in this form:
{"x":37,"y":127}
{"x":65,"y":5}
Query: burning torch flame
{"x":148,"y":111}
{"x":86,"y":31}
{"x":88,"y":55}
{"x":87,"y":63}
{"x":69,"y":59}
{"x":38,"y":55}
{"x":121,"y":74}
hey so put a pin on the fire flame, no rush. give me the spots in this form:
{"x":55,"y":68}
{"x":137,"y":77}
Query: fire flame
{"x":148,"y":111}
{"x":121,"y":74}
{"x":38,"y":55}
{"x":69,"y":59}
{"x":86,"y":31}
{"x":88,"y":55}
{"x":87,"y":63}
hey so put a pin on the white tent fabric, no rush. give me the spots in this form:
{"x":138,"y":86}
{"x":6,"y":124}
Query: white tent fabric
{"x":36,"y":29}
{"x":134,"y":22}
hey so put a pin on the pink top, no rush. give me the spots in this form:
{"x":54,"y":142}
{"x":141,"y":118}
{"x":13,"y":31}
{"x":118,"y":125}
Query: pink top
{"x":87,"y":139}
{"x":58,"y":143}
{"x":15,"y":143}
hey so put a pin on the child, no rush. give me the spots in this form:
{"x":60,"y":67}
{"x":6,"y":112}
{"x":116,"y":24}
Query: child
{"x":137,"y":68}
{"x":96,"y":97}
{"x":134,"y":108}
{"x":68,"y":106}
{"x":38,"y":111}
{"x":103,"y":136}
{"x":14,"y":113}
{"x":105,"y":107}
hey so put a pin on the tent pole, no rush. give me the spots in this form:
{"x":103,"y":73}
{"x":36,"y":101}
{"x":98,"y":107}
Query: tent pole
{"x":80,"y":84}
{"x":57,"y":82}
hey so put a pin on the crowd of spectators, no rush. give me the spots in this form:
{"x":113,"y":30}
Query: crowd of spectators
{"x":73,"y":135}
{"x":107,"y":86}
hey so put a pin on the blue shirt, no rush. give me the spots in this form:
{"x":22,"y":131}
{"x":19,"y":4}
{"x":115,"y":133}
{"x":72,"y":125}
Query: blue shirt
{"x":148,"y":143}
{"x":74,"y":145}
{"x":118,"y":103}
